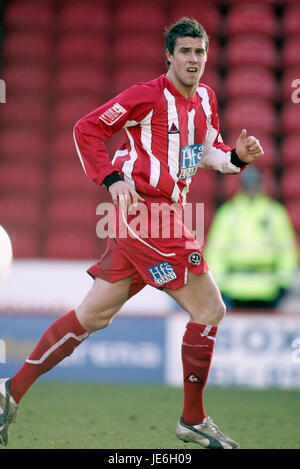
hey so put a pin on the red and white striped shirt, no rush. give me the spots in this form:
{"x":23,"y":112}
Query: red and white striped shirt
{"x":168,"y":137}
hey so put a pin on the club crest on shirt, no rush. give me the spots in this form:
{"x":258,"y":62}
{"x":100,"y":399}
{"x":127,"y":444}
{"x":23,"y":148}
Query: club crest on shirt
{"x":162,"y":273}
{"x":189,"y":160}
{"x":195,"y":258}
{"x":113,"y":114}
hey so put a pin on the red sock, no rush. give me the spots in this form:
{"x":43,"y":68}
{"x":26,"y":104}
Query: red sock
{"x":57,"y":342}
{"x":197,"y":350}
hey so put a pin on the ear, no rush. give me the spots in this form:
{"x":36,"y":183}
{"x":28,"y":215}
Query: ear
{"x":169,"y":56}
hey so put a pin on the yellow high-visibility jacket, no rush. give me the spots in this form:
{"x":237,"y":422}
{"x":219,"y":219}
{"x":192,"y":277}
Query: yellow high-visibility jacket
{"x":251,"y":248}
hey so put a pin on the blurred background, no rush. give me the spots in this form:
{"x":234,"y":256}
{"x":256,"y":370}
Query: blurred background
{"x":59,"y":59}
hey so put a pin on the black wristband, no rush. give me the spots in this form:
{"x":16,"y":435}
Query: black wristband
{"x":235,"y":159}
{"x":111,"y":179}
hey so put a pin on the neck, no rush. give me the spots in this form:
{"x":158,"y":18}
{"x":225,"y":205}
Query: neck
{"x":187,"y":91}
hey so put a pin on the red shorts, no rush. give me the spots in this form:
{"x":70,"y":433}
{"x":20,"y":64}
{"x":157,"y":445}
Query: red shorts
{"x":153,"y":247}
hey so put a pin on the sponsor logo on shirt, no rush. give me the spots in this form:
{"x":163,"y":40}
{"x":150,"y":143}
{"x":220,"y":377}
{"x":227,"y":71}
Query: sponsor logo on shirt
{"x":162,"y":273}
{"x":113,"y":114}
{"x":189,"y":160}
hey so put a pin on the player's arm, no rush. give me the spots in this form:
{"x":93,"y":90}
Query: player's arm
{"x":92,"y":130}
{"x":219,"y":156}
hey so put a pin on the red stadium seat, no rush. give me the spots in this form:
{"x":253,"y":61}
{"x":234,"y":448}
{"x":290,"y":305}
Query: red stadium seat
{"x":291,"y":52}
{"x":128,"y":75}
{"x":62,"y":147}
{"x":139,"y":17}
{"x":68,"y":110}
{"x":252,"y":19}
{"x":84,"y":16}
{"x":25,"y":242}
{"x":78,"y":79}
{"x":290,"y":150}
{"x":27,"y":78}
{"x":203,"y":186}
{"x":290,"y":84}
{"x":290,"y":184}
{"x":30,"y":15}
{"x":139,"y":49}
{"x":22,"y":211}
{"x":73,"y":212}
{"x":293,"y":209}
{"x":291,"y":21}
{"x":212,"y":79}
{"x":16,"y":178}
{"x":290,"y":117}
{"x":81,"y":48}
{"x":207,"y":14}
{"x":22,"y":145}
{"x":250,"y":114}
{"x":72,"y":244}
{"x":254,"y":49}
{"x":25,"y":112}
{"x":257,"y":82}
{"x":27,"y":46}
{"x":70,"y":178}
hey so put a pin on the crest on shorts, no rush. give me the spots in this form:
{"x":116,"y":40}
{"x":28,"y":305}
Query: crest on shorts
{"x":193,"y":378}
{"x":113,"y":114}
{"x":195,"y":258}
{"x":162,"y":273}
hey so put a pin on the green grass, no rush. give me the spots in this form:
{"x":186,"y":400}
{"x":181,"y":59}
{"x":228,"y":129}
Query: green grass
{"x":118,"y":416}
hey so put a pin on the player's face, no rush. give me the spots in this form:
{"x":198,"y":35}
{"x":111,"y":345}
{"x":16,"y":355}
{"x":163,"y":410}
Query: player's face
{"x":187,"y":64}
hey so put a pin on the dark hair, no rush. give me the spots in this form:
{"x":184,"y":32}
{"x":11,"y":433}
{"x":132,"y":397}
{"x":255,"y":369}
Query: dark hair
{"x":184,"y":27}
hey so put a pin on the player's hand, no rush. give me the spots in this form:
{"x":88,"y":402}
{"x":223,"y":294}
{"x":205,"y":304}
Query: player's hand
{"x":248,"y":149}
{"x":124,"y":196}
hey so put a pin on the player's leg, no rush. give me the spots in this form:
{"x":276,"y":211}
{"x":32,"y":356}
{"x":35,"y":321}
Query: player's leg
{"x":201,"y":298}
{"x":96,"y":312}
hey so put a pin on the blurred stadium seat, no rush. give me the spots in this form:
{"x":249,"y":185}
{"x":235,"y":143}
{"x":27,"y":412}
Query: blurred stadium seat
{"x":138,"y":49}
{"x":252,"y":18}
{"x":250,"y":114}
{"x":255,"y":49}
{"x":127,"y":75}
{"x":84,"y":16}
{"x":68,"y":244}
{"x":290,"y":150}
{"x":211,"y":78}
{"x":22,"y":145}
{"x":291,"y":20}
{"x":30,"y":15}
{"x":25,"y":242}
{"x":21,"y":178}
{"x":131,"y":17}
{"x":27,"y":46}
{"x":78,"y":79}
{"x":69,"y":177}
{"x":207,"y":13}
{"x":290,"y":185}
{"x":290,"y":118}
{"x":257,"y":82}
{"x":72,"y":212}
{"x":22,"y":211}
{"x":27,"y":78}
{"x":67,"y":110}
{"x":81,"y":48}
{"x":291,"y":51}
{"x":25,"y":111}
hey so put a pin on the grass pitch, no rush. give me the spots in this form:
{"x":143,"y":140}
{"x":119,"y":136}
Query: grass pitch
{"x":118,"y":416}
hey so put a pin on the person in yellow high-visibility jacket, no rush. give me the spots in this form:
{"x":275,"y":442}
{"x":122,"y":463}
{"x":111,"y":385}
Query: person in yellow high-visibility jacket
{"x":251,"y":247}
